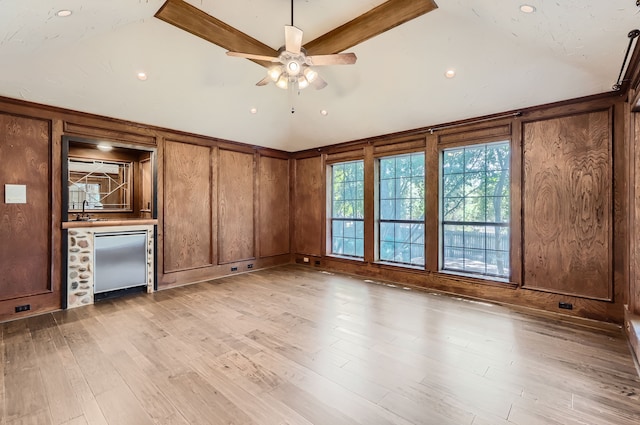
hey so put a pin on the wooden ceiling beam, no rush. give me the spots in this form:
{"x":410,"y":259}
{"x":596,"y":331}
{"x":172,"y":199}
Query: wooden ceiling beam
{"x":194,"y":21}
{"x":382,"y":18}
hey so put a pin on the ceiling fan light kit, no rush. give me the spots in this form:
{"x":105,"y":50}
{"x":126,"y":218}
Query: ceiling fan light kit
{"x":290,"y":66}
{"x":294,"y":69}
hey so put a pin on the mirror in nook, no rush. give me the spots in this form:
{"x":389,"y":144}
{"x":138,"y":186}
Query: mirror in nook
{"x":99,"y":185}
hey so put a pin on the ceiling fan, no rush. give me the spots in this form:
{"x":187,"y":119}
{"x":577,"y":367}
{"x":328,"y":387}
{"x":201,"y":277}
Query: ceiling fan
{"x":295,"y":65}
{"x":294,"y":58}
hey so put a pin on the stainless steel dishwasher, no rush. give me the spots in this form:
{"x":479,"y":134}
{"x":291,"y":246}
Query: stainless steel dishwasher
{"x":120,"y":260}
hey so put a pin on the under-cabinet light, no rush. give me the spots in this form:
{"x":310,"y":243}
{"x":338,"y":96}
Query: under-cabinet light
{"x":104,"y":147}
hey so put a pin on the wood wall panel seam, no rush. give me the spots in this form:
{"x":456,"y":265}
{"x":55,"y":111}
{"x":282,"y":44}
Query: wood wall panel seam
{"x":56,"y":185}
{"x":369,"y":206}
{"x":634,"y":283}
{"x":432,"y":212}
{"x":214,"y":244}
{"x":516,"y":219}
{"x":619,"y":176}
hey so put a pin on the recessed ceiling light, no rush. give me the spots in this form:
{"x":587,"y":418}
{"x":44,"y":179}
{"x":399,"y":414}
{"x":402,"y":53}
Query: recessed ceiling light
{"x":104,"y":147}
{"x":527,"y":8}
{"x":324,"y":112}
{"x":254,"y":110}
{"x":142,"y":76}
{"x":64,"y":13}
{"x":450,"y":73}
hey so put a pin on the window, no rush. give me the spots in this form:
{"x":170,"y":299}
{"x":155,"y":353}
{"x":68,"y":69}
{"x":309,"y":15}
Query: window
{"x":401,"y":209}
{"x":347,"y":208}
{"x":475,"y":209}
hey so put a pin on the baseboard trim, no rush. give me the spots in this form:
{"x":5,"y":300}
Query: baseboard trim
{"x":632,"y":329}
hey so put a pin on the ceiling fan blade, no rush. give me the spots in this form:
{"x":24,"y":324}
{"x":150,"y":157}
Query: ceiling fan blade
{"x":318,"y":83}
{"x":292,"y":39}
{"x":339,"y":59}
{"x":266,"y":80}
{"x":193,"y":20}
{"x":252,"y":56}
{"x":374,"y":22}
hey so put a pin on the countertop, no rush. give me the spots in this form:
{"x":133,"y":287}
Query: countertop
{"x":108,"y":223}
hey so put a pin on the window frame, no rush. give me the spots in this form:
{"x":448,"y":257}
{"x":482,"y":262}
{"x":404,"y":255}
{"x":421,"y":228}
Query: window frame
{"x":508,"y":221}
{"x":330,"y":217}
{"x":377,"y":208}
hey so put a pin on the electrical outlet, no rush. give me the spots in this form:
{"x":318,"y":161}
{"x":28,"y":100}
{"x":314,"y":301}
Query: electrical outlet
{"x":565,"y":306}
{"x":249,"y":266}
{"x":234,"y":269}
{"x":21,"y":308}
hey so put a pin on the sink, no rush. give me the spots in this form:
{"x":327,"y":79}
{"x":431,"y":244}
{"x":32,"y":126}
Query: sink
{"x":80,"y":218}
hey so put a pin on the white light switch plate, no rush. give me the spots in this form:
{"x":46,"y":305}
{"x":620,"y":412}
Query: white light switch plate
{"x":15,"y":194}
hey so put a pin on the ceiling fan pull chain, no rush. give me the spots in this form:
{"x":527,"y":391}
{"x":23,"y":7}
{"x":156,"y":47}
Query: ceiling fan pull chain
{"x":292,"y":97}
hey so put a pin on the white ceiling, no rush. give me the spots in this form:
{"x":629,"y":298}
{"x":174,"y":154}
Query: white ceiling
{"x":504,"y":59}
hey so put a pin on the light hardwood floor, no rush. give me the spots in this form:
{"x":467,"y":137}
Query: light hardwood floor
{"x":295,"y":345}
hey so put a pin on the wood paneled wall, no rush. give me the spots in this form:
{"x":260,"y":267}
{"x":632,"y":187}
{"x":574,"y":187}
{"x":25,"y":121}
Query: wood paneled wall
{"x":632,"y":309}
{"x":212,"y":192}
{"x":25,"y":228}
{"x":209,"y":194}
{"x":273,"y":208}
{"x":309,"y":205}
{"x":224,"y":206}
{"x":567,"y":194}
{"x":188,"y":204}
{"x":568,"y":226}
{"x":236,"y":206}
{"x":146,"y":188}
{"x":634,"y":295}
{"x":29,"y":239}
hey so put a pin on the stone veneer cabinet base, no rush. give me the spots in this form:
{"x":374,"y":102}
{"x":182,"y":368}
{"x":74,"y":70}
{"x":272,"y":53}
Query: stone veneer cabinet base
{"x":81,"y":261}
